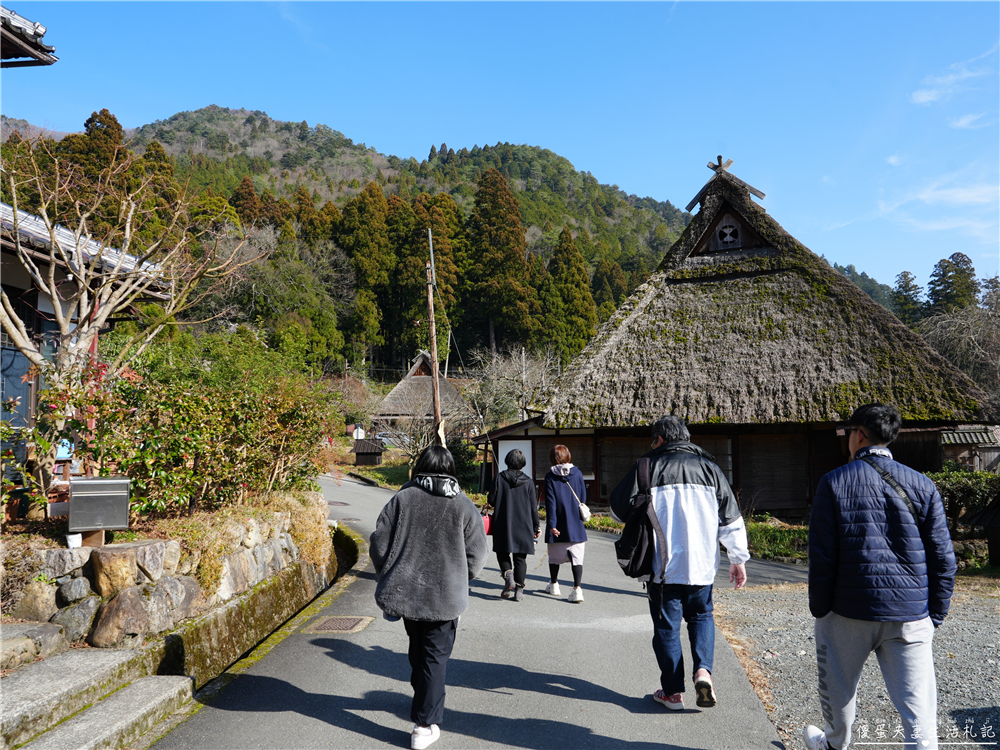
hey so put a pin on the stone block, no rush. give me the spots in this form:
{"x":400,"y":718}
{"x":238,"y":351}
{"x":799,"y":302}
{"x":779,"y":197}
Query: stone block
{"x":189,"y":563}
{"x":171,"y":557}
{"x":61,"y":562}
{"x":193,"y":602}
{"x":159,"y":606}
{"x":47,"y":637}
{"x":241,"y":567}
{"x":114,"y":569}
{"x":120,"y":620}
{"x":74,"y":590}
{"x":150,"y":558}
{"x":16,"y":651}
{"x":38,"y":602}
{"x":77,"y":618}
{"x":289,"y":545}
{"x":253,"y":537}
{"x":260,"y":563}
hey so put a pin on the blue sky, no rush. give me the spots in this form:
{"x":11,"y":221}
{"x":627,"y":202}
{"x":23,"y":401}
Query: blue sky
{"x":871,"y":127}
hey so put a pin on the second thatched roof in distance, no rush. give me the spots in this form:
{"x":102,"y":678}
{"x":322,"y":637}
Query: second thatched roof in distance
{"x":412,"y":397}
{"x":742,"y":324}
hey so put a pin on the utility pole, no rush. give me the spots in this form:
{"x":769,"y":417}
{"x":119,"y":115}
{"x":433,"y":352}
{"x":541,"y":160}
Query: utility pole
{"x":435,"y":387}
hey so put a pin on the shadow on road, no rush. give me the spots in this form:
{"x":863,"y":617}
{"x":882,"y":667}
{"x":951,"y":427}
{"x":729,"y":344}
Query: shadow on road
{"x":488,"y":677}
{"x":258,"y":694}
{"x":485,"y":588}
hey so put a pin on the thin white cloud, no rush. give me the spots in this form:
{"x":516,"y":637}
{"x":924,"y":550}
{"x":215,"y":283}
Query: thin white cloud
{"x":985,"y":231}
{"x":949,"y":190}
{"x":964,"y":195}
{"x":828,"y":180}
{"x":305,"y":31}
{"x":967,"y":122}
{"x":894,"y":160}
{"x":942,"y":86}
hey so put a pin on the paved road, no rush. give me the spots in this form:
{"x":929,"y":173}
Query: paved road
{"x":542,"y":673}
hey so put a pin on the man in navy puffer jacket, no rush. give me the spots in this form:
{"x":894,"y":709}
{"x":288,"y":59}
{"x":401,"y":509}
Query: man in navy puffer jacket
{"x":881,"y":573}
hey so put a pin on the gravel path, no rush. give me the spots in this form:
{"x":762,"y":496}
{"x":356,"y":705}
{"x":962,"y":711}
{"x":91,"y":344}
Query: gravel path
{"x":773,"y":626}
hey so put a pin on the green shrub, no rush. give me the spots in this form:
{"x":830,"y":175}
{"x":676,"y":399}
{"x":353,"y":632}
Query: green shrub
{"x":768,"y":541}
{"x":963,"y":488}
{"x":208,"y":420}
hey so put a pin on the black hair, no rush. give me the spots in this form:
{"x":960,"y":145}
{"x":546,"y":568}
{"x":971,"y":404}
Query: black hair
{"x":672,"y":429}
{"x":880,"y":422}
{"x":515,"y":460}
{"x":436,"y":459}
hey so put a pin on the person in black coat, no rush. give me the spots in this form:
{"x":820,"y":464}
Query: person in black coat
{"x":515,"y":523}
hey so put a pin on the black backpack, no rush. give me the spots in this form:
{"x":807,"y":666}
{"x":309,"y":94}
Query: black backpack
{"x":635,"y":548}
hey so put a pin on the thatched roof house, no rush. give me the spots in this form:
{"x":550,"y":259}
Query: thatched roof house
{"x":763,"y":348}
{"x":412,"y":397}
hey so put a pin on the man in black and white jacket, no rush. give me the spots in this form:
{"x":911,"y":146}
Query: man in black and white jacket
{"x":696,"y":510}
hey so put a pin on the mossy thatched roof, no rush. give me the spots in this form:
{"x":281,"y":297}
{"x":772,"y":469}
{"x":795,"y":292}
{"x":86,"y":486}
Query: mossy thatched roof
{"x":412,"y":396}
{"x":766,"y":333}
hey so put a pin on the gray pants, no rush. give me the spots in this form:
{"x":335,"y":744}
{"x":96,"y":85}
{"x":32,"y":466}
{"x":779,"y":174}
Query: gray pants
{"x":904,"y":654}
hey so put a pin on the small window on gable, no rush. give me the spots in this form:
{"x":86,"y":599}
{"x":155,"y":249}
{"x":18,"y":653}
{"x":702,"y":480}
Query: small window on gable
{"x":728,"y":235}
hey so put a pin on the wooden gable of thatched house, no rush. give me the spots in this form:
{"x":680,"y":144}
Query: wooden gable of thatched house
{"x":412,"y":397}
{"x":763,"y":348}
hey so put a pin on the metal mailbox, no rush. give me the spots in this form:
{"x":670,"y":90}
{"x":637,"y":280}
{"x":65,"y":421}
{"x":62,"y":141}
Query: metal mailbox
{"x":98,"y":503}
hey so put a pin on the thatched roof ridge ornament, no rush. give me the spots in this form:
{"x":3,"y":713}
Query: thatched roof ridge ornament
{"x":742,"y":324}
{"x":719,"y":169}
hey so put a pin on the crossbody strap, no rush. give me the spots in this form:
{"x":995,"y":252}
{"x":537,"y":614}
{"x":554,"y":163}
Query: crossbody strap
{"x":574,"y":492}
{"x":643,"y":476}
{"x":891,"y":481}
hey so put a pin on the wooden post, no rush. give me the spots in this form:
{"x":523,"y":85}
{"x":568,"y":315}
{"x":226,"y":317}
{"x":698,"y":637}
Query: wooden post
{"x":435,"y":388}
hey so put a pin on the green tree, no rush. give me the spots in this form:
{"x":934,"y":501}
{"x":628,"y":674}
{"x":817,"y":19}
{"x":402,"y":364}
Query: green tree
{"x":953,"y":285}
{"x":545,"y":334}
{"x":246,"y":202}
{"x":906,"y":298}
{"x":496,"y":239}
{"x":579,"y":315}
{"x":364,"y":236}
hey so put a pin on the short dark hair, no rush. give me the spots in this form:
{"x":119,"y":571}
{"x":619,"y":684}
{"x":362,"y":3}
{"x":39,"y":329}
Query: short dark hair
{"x":881,"y":422}
{"x":672,"y":429}
{"x":515,"y":460}
{"x":560,"y":455}
{"x":436,"y":459}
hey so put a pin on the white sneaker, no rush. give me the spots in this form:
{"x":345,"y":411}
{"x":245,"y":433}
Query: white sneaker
{"x":576,"y":595}
{"x":422,"y":737}
{"x":814,"y":738}
{"x":553,"y":588}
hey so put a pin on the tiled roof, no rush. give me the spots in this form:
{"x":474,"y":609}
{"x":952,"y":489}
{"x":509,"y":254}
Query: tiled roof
{"x":33,"y":231}
{"x":23,"y":39}
{"x":969,"y":436}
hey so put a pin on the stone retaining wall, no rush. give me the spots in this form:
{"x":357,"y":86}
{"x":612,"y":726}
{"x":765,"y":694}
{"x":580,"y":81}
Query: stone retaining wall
{"x":115,"y":596}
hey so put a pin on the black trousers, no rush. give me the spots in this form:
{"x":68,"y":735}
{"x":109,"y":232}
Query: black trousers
{"x":430,"y":646}
{"x":520,"y":565}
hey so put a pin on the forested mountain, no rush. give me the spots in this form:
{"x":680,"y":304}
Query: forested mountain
{"x":349,"y":228}
{"x":216,"y":147}
{"x":881,"y":293}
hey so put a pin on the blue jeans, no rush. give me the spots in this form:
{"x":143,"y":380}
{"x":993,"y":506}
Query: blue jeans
{"x":668,"y":602}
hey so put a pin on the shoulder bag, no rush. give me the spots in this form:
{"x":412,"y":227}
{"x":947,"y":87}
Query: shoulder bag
{"x":635,"y":549}
{"x":584,"y":510}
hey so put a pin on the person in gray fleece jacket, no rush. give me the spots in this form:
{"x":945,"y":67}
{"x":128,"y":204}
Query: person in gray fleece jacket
{"x":427,"y":545}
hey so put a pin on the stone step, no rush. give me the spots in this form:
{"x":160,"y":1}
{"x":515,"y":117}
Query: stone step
{"x":119,"y":719}
{"x":38,"y":696}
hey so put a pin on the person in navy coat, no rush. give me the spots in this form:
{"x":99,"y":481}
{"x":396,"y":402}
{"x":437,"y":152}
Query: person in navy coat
{"x":564,"y":530}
